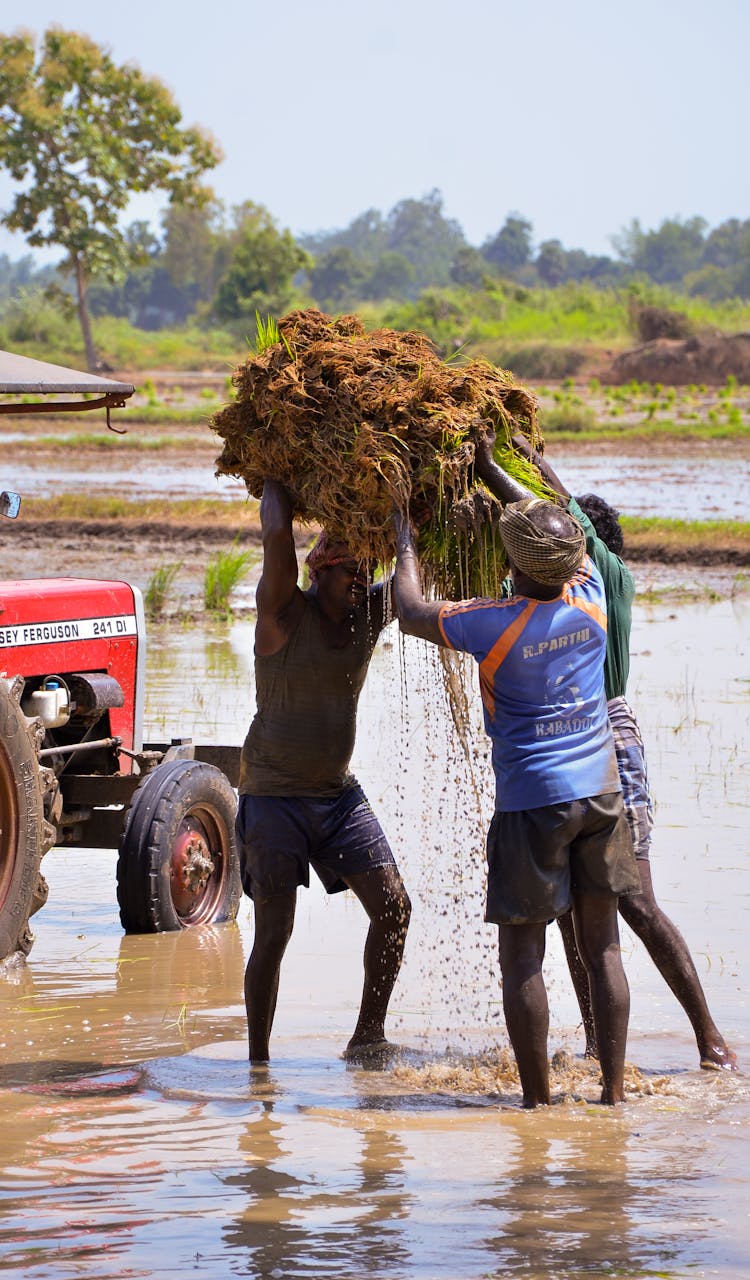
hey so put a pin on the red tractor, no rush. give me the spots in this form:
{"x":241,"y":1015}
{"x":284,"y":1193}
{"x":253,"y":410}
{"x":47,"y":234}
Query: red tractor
{"x":74,"y":769}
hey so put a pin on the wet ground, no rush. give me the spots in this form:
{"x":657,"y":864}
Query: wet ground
{"x":136,"y":1140}
{"x":708,"y":484}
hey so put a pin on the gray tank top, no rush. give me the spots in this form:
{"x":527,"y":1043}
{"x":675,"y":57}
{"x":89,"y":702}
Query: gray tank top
{"x":302,"y":736}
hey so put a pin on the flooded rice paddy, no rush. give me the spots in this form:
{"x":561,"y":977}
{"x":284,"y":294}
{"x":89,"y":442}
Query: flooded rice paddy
{"x":710,"y":485}
{"x":136,"y":1140}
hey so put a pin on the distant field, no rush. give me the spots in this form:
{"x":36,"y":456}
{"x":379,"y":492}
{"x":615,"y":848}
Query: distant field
{"x":177,"y":412}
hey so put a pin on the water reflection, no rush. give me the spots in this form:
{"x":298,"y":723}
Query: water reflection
{"x":162,"y":993}
{"x":304,"y":1216}
{"x":565,"y":1204}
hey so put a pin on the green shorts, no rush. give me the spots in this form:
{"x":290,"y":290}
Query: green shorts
{"x":538,"y":859}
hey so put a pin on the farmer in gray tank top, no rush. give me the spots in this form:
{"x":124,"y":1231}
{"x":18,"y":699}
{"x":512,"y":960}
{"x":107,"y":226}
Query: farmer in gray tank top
{"x":300,"y":805}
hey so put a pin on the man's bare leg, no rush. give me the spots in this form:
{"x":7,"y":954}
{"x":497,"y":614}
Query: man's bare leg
{"x":595,"y":920}
{"x":521,"y":949}
{"x":580,"y":977}
{"x":383,"y":896}
{"x":669,"y":952}
{"x":274,"y":920}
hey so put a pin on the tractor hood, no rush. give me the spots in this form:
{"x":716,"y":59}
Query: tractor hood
{"x":21,"y":376}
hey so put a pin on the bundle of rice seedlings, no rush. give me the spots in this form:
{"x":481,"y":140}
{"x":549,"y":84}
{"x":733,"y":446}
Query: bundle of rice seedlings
{"x":354,"y":424}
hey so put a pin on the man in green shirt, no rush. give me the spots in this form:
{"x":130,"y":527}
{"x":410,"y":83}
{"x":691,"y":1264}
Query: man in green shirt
{"x":662,"y":939}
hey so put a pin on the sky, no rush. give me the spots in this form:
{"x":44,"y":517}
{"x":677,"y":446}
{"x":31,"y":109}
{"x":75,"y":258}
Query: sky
{"x":579,"y":114}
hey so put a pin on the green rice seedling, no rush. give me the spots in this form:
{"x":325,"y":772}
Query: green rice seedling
{"x":158,"y":588}
{"x":266,"y":333}
{"x":149,"y":391}
{"x":222,"y":575}
{"x":569,"y":415}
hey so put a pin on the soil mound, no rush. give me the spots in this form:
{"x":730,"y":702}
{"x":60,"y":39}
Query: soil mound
{"x":708,"y":359}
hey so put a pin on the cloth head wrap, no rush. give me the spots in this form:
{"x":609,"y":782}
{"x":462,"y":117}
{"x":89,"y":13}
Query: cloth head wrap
{"x":325,"y":552}
{"x":542,"y":556}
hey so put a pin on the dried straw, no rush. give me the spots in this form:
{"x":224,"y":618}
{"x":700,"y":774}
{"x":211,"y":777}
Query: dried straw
{"x":354,"y":423}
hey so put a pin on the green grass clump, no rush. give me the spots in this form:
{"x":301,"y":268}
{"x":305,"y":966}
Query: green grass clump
{"x":568,"y":416}
{"x":266,"y":333}
{"x":158,"y":588}
{"x":222,"y":575}
{"x":188,"y":512}
{"x":97,"y":442}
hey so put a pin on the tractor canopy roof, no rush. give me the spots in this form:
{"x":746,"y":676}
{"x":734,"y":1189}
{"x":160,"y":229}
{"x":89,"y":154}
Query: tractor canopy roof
{"x":22,"y":376}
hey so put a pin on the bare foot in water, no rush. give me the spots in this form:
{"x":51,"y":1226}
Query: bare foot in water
{"x":375,"y":1054}
{"x":718,"y":1057}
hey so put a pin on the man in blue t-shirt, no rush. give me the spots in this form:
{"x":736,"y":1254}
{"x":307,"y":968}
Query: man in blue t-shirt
{"x":663,"y":940}
{"x":558,"y":838}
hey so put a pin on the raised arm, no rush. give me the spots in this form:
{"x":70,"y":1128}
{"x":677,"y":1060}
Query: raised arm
{"x":498,"y":481}
{"x":553,"y":480}
{"x":416,"y":616}
{"x":278,"y":597}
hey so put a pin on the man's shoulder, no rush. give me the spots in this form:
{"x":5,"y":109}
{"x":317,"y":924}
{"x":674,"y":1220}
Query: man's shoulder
{"x":611,"y":566}
{"x":586,"y":588}
{"x":477,"y":606}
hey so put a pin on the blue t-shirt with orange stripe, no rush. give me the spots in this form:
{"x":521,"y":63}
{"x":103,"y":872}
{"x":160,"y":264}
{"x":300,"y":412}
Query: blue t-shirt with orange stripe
{"x":541,"y":675}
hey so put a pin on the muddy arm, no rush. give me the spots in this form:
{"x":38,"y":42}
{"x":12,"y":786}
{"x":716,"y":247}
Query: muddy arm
{"x":277,"y":589}
{"x":553,"y":480}
{"x":416,"y":616}
{"x":498,"y":481}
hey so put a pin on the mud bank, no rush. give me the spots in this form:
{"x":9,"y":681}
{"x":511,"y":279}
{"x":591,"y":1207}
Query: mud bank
{"x":120,"y":549}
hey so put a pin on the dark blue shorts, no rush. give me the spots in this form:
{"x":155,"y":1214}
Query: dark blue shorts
{"x":280,"y":837}
{"x":537,"y":859}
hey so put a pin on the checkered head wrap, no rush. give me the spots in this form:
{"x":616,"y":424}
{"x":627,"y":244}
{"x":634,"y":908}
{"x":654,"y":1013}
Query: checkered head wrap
{"x":323,"y":553}
{"x":542,"y":556}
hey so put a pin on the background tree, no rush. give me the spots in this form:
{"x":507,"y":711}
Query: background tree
{"x":262,"y":267}
{"x":392,"y":276}
{"x":510,"y":249}
{"x":197,"y":248}
{"x":337,"y":278}
{"x":365,"y":237}
{"x":550,"y":262}
{"x":419,"y":231}
{"x":665,"y":255}
{"x":146,"y":296}
{"x":469,"y":268}
{"x":22,"y":273}
{"x":82,"y":135}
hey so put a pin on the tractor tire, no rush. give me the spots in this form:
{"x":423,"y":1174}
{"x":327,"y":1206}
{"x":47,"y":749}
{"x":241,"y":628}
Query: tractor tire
{"x":178,"y":865}
{"x":24,"y":834}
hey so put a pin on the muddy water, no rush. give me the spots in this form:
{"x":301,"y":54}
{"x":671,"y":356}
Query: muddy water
{"x":670,"y":485}
{"x":136,"y":1141}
